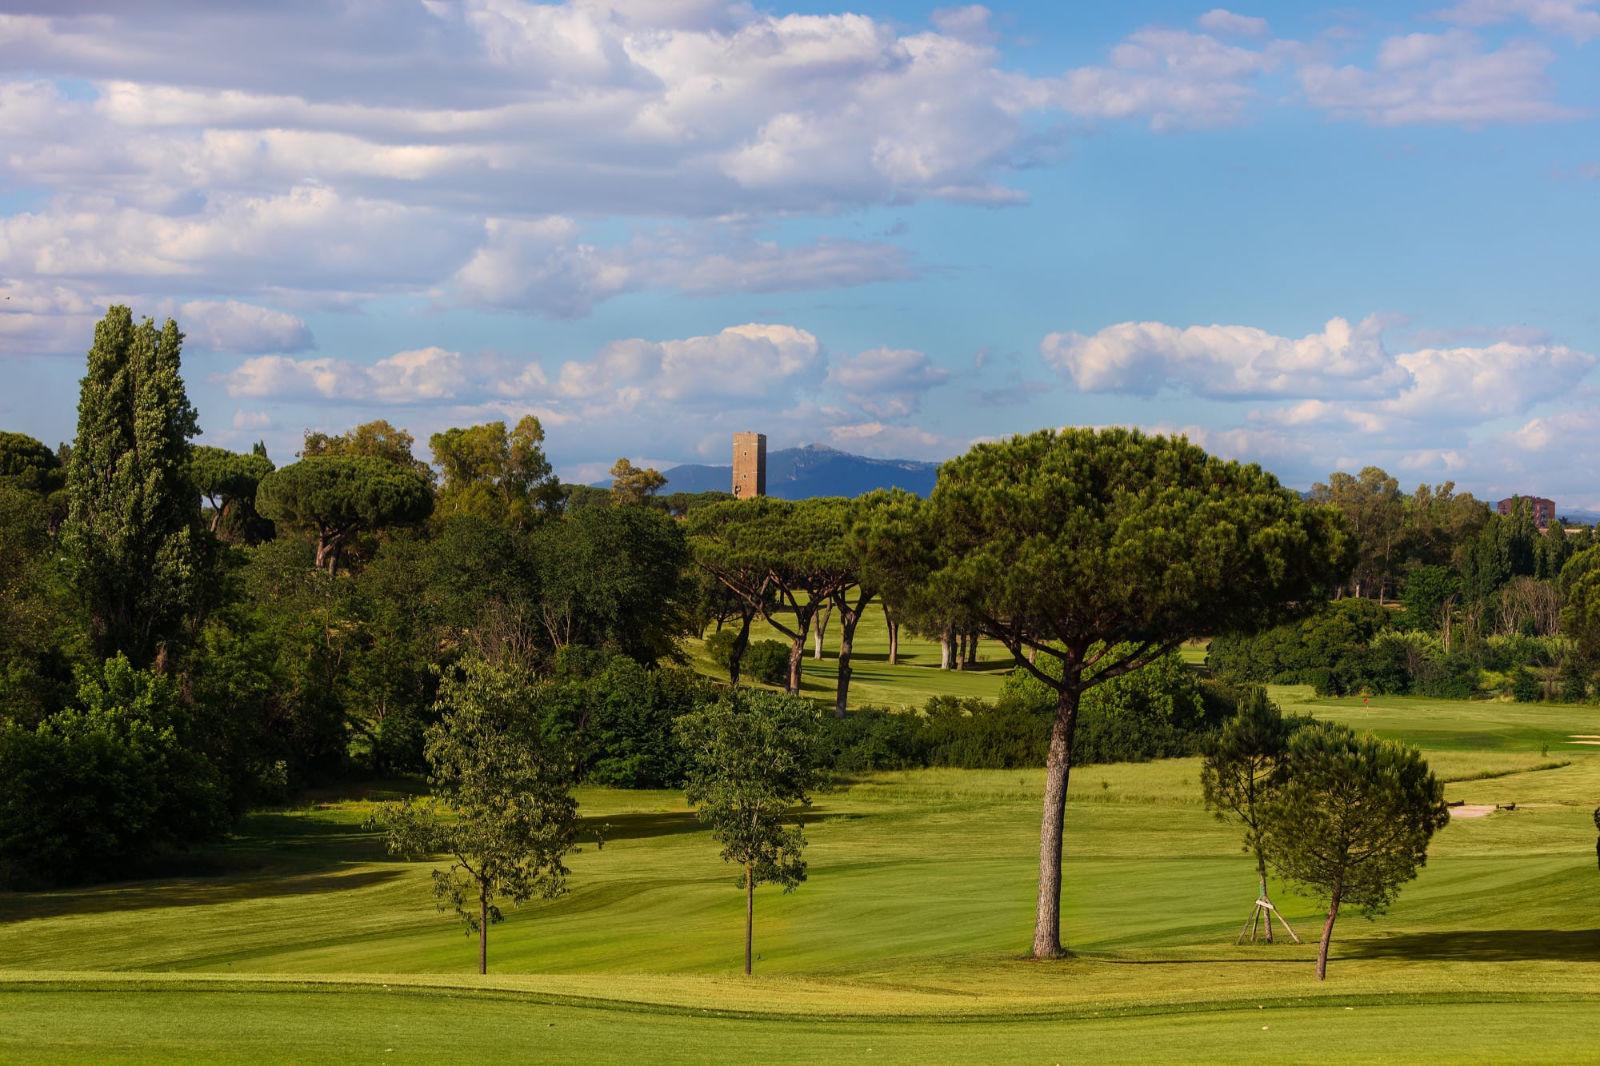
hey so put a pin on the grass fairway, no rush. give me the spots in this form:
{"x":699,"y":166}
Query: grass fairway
{"x":301,"y":941}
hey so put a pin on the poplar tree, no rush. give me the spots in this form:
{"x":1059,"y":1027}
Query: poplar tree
{"x":132,"y":512}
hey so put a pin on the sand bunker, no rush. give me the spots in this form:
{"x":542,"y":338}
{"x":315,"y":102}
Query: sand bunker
{"x":1472,"y":810}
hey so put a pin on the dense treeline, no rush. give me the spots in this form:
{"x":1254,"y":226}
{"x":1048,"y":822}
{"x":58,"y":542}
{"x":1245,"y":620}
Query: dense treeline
{"x":1446,"y":598}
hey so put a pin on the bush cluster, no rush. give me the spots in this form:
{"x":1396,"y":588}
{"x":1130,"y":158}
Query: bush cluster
{"x":1161,"y":711}
{"x":1355,"y":647}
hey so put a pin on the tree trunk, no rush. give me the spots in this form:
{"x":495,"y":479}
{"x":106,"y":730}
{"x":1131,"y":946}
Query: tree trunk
{"x":961,"y":649}
{"x":483,"y":931}
{"x":946,"y":638}
{"x":849,"y":618}
{"x":894,"y":643}
{"x":972,"y":648}
{"x":797,"y":654}
{"x":749,"y":914}
{"x":1058,"y":765}
{"x":1327,"y":934}
{"x":736,"y":653}
{"x":327,"y":554}
{"x":823,"y":618}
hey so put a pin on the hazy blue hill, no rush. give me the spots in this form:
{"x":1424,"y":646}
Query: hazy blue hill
{"x":814,"y":470}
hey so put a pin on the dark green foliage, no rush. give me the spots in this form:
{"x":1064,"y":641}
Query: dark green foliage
{"x":617,"y":718}
{"x":228,"y":481}
{"x":1427,"y":591}
{"x":1574,"y":680}
{"x":132,"y":514}
{"x":870,"y":738}
{"x":719,"y":647}
{"x":27,"y":465}
{"x":975,"y":735}
{"x":766,"y":661}
{"x":1352,"y":820}
{"x":335,"y":497}
{"x":501,"y":807}
{"x":106,"y":787}
{"x":1289,"y":654}
{"x":41,"y":631}
{"x":1580,"y":614}
{"x":613,"y":577}
{"x":1525,"y":687}
{"x":1374,"y":512}
{"x":1158,"y":712}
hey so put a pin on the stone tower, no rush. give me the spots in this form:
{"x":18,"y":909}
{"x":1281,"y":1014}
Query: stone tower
{"x":749,"y":465}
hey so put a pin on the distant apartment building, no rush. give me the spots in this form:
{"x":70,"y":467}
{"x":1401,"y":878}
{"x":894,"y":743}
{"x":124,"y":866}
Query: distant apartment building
{"x":749,"y":465}
{"x":1544,"y":511}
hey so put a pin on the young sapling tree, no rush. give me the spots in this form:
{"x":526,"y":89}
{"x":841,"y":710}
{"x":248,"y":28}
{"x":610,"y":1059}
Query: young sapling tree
{"x":754,"y":759}
{"x":1351,"y":820}
{"x":1243,"y":763}
{"x":502,"y":808}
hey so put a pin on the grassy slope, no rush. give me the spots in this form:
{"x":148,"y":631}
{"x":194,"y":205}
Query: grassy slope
{"x":911,"y":926}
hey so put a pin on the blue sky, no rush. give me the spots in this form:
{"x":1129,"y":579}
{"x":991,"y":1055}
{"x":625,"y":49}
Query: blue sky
{"x":1313,"y":236}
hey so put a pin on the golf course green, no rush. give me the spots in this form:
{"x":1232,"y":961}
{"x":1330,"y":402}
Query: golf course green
{"x":301,"y":940}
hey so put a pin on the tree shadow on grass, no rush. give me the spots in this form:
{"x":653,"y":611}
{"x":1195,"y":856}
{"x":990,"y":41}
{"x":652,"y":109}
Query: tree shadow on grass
{"x":1484,"y":945}
{"x":186,"y":892}
{"x":271,"y":853}
{"x":644,"y":826}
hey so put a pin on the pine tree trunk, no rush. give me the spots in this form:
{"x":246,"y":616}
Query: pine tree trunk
{"x":894,"y":643}
{"x":483,"y":931}
{"x":736,"y":653}
{"x":1327,"y":934}
{"x":972,"y":648}
{"x":823,"y":618}
{"x":848,"y":620}
{"x":749,"y":914}
{"x":797,"y":654}
{"x":1058,"y":765}
{"x":945,"y":641}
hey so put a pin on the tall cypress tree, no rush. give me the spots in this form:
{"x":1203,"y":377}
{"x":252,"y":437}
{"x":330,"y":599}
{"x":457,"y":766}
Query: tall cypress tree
{"x":133,"y":518}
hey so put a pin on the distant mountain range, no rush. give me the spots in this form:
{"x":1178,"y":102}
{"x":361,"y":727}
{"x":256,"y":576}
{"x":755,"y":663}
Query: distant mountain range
{"x":814,"y":470}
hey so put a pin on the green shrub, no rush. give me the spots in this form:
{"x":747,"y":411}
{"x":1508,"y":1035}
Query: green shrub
{"x":719,"y":647}
{"x":766,"y":661}
{"x":875,"y":739}
{"x":1299,"y":651}
{"x":1574,"y":680}
{"x":618,"y":721}
{"x":1525,"y":688}
{"x":106,"y":787}
{"x":975,"y":735}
